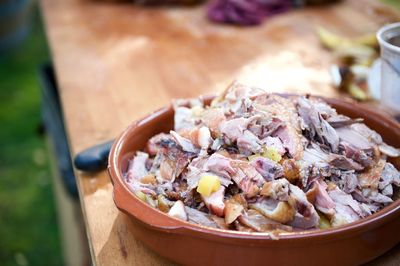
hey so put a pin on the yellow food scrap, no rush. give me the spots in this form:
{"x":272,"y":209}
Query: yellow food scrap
{"x":254,"y":156}
{"x":272,"y":154}
{"x":267,"y":152}
{"x":323,"y":222}
{"x":152,"y":202}
{"x":140,"y":195}
{"x":368,"y":40}
{"x":330,"y":40}
{"x":333,"y":41}
{"x":357,"y":93}
{"x":208,"y":184}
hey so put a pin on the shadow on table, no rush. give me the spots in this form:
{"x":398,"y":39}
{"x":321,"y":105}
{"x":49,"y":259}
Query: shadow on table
{"x":122,"y":248}
{"x":392,"y":255}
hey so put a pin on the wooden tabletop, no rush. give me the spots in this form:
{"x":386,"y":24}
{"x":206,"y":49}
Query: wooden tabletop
{"x":116,"y":62}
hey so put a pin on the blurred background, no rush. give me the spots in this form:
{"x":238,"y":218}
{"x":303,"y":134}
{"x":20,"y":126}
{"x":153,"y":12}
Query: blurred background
{"x":29,"y":221}
{"x":29,"y":233}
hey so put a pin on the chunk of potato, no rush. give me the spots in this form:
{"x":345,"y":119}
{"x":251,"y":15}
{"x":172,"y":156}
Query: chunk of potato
{"x":208,"y":184}
{"x":140,"y":195}
{"x":272,"y":154}
{"x":323,"y":222}
{"x":267,"y":152}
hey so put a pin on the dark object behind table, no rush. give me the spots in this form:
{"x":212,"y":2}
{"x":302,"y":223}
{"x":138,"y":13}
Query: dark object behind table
{"x":156,"y":2}
{"x":168,"y":2}
{"x":253,"y":12}
{"x":15,"y":16}
{"x":54,"y":126}
{"x":319,"y":2}
{"x":246,"y":12}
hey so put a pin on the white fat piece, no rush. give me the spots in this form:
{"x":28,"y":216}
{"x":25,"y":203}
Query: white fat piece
{"x":178,"y":211}
{"x":204,"y":138}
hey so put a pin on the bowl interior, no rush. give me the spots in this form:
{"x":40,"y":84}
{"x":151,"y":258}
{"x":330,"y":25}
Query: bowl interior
{"x":136,"y":136}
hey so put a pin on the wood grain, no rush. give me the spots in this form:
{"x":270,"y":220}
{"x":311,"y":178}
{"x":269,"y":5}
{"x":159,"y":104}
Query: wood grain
{"x":116,"y":62}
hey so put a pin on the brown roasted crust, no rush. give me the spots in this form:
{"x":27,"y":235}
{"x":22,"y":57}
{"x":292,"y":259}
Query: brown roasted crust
{"x":283,"y":213}
{"x":370,"y":178}
{"x":291,"y":170}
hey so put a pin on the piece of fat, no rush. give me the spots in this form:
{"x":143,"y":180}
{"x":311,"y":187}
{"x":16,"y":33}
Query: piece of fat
{"x":178,"y":211}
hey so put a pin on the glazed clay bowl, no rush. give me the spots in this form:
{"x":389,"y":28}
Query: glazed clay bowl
{"x":192,"y":244}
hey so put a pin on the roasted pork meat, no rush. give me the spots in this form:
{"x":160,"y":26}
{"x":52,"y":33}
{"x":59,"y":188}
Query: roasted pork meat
{"x":258,"y":162}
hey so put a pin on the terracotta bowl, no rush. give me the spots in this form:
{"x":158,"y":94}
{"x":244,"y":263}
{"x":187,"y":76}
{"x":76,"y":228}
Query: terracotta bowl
{"x":191,"y":244}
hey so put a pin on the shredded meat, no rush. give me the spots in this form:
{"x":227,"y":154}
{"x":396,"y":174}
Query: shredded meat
{"x":259,"y":162}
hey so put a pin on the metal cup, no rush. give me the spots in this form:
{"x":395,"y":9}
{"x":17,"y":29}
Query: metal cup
{"x":389,"y":41}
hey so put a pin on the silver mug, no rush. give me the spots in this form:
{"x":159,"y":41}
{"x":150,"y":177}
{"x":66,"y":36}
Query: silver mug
{"x":389,"y":41}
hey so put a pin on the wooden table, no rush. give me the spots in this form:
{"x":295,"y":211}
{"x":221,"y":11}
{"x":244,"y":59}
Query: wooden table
{"x":117,"y":62}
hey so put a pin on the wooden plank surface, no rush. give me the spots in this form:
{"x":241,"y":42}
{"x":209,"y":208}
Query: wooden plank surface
{"x":117,"y":62}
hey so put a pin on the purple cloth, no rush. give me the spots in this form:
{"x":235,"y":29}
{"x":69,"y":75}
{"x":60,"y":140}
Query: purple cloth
{"x":245,"y":12}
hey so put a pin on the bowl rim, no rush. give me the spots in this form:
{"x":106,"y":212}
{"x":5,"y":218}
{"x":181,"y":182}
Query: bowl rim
{"x":383,"y":34}
{"x":171,"y":224}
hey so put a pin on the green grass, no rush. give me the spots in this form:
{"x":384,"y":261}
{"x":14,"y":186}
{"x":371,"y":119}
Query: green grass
{"x":28,"y":226}
{"x":393,"y":3}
